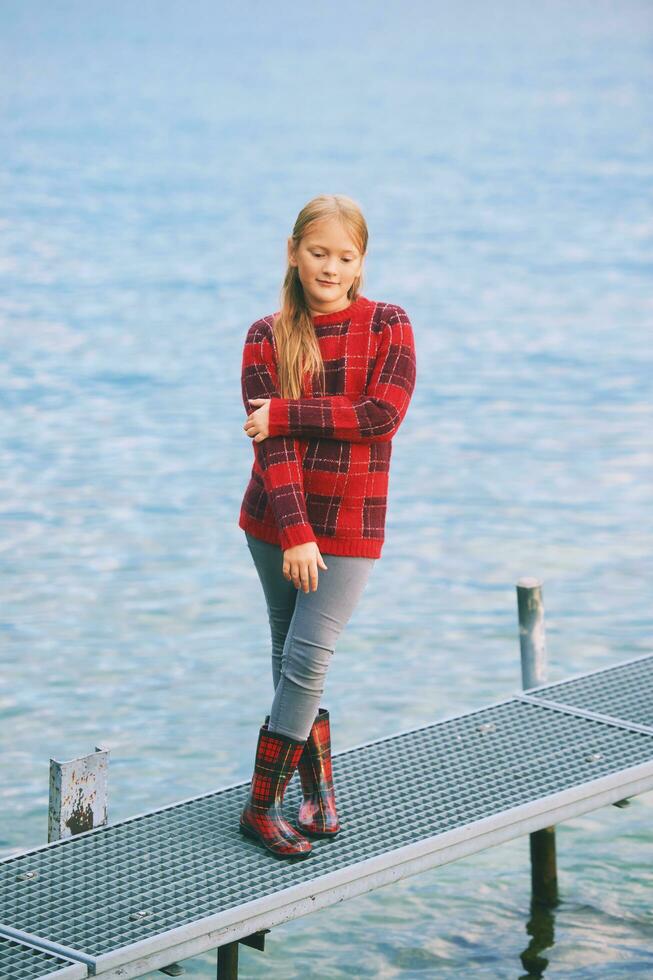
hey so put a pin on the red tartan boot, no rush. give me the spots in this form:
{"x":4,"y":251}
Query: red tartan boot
{"x":277,"y":757}
{"x":317,"y":815}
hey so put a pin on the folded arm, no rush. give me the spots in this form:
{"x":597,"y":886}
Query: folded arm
{"x":277,"y":457}
{"x":374,"y":416}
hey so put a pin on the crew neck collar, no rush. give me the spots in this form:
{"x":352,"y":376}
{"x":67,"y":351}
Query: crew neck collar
{"x":337,"y":316}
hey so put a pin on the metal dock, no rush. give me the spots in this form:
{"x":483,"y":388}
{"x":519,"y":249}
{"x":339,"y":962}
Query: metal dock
{"x":134,"y":896}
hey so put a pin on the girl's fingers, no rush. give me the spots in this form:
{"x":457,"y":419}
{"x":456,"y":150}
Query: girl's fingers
{"x":303,"y":572}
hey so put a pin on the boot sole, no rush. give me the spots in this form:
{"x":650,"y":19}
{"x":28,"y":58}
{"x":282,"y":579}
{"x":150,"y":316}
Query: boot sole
{"x":323,"y":834}
{"x":248,"y":832}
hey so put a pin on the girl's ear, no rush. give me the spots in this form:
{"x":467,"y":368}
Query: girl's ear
{"x":291,"y":251}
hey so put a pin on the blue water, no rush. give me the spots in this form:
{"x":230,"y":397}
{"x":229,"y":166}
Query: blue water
{"x":153,"y":157}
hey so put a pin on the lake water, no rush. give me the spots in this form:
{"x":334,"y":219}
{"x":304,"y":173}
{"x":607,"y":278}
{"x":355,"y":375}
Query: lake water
{"x":153,"y":159}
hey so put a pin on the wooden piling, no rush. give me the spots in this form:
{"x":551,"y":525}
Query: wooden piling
{"x":532,"y":641}
{"x":78,"y":795}
{"x":228,"y":961}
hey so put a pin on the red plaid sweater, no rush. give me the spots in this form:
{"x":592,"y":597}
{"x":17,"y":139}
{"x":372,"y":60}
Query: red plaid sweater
{"x":322,"y":474}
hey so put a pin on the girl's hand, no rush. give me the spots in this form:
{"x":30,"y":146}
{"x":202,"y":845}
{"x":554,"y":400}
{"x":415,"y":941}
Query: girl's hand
{"x":256,"y":425}
{"x":300,"y":565}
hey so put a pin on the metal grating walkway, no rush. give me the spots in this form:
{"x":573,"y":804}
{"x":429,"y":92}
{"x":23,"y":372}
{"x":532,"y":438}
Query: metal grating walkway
{"x":139,"y":894}
{"x":19,"y":961}
{"x":621,"y":691}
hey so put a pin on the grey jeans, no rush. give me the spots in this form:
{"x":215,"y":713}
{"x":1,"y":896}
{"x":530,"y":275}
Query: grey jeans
{"x":304,"y":628}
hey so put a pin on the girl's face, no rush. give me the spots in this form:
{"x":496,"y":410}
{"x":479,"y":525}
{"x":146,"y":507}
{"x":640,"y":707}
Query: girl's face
{"x":327,"y":261}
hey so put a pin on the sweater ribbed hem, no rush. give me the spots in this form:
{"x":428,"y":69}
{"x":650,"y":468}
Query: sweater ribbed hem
{"x":327,"y":546}
{"x":293,"y":535}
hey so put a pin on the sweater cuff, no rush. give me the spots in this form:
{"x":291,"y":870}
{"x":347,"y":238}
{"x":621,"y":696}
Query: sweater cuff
{"x":296,"y":534}
{"x":278,"y":417}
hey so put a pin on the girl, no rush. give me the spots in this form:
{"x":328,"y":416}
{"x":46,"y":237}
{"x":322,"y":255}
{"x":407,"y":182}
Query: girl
{"x":326,"y":383}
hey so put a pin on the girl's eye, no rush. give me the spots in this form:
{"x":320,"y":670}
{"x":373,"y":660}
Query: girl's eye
{"x":318,"y":255}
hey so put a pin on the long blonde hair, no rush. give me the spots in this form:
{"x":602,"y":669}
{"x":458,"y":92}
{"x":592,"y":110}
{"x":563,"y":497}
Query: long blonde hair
{"x":297,"y":348}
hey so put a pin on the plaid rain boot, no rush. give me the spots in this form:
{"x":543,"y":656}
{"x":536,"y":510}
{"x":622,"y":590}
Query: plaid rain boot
{"x":317,"y":815}
{"x":277,"y":757}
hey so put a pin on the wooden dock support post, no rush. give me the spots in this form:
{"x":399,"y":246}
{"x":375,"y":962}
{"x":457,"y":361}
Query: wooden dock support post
{"x":544,"y":875}
{"x":228,"y":954}
{"x":228,"y":961}
{"x":78,"y":795}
